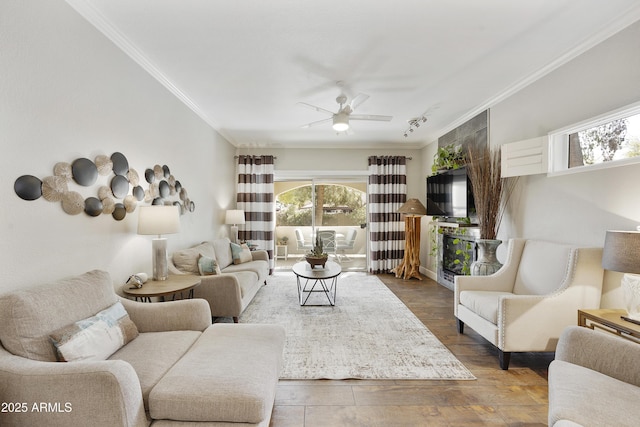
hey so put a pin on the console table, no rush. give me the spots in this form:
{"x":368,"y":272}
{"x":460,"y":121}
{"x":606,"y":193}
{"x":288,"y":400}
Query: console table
{"x":609,"y":320}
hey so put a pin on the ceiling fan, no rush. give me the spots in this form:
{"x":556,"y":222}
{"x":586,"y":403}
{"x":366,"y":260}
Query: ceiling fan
{"x":341,"y":118}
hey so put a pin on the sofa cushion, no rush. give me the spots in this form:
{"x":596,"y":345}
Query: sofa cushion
{"x":483,"y":303}
{"x":96,"y":337}
{"x":223,"y":252}
{"x":28,"y":316}
{"x":152,"y":354}
{"x":202,"y":387}
{"x":207,"y":266}
{"x":590,"y":398}
{"x":240,"y":253}
{"x":186,"y":260}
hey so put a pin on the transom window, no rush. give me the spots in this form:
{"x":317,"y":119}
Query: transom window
{"x":610,"y":140}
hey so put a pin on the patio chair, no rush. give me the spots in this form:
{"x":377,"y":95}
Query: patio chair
{"x":328,"y":238}
{"x":347,"y":244}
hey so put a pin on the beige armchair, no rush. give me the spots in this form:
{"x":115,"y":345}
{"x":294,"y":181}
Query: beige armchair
{"x":532,"y":298}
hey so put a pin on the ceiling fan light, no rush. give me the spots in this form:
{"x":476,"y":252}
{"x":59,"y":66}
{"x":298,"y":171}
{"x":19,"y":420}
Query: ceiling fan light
{"x":340,"y":122}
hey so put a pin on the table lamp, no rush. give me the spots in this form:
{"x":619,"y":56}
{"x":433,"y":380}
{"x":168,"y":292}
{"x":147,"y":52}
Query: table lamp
{"x":622,"y":253}
{"x":159,"y":220}
{"x":234,"y":217}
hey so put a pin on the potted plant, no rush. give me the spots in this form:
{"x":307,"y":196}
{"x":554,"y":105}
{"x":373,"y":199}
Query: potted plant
{"x":283,"y":241}
{"x":317,"y":256}
{"x":448,"y":157}
{"x":491,"y":193}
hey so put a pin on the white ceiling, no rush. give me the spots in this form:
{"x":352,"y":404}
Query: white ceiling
{"x":243,"y":65}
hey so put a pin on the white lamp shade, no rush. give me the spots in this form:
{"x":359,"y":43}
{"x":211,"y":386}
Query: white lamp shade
{"x":158,"y":220}
{"x":234,"y":216}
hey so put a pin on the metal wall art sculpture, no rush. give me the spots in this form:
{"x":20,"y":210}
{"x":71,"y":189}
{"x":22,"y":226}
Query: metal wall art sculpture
{"x":120,"y":196}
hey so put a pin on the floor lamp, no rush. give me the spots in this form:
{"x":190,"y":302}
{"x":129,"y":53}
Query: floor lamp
{"x":159,"y":220}
{"x":410,"y":265}
{"x":233,"y":218}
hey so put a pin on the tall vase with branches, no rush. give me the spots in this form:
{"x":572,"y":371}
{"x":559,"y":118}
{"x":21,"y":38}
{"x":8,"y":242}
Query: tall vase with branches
{"x":491,"y":193}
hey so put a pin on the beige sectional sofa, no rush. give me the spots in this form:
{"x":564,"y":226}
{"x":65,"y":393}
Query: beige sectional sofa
{"x":160,"y":364}
{"x":594,"y":380}
{"x":229,"y":292}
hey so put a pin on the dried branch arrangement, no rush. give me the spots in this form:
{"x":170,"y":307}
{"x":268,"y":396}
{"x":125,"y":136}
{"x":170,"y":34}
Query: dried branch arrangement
{"x":490,"y":191}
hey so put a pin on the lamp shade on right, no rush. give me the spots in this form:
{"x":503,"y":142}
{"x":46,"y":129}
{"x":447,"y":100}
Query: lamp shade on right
{"x":622,"y":251}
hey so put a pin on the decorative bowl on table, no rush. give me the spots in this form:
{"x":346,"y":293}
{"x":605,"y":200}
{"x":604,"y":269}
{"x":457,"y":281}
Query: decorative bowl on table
{"x":316,"y":260}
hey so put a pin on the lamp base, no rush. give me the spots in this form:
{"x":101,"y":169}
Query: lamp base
{"x":234,"y":233}
{"x":159,"y":259}
{"x":631,"y":293}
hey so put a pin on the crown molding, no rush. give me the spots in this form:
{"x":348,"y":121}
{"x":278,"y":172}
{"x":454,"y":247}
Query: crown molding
{"x":98,"y":20}
{"x":624,"y":19}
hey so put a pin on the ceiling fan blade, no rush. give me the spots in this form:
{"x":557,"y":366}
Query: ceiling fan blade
{"x":319,"y":122}
{"x":358,"y":100}
{"x":315,"y":108}
{"x":370,"y":117}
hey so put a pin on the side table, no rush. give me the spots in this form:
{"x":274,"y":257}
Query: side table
{"x":282,"y":252}
{"x":175,"y":283}
{"x":609,"y":320}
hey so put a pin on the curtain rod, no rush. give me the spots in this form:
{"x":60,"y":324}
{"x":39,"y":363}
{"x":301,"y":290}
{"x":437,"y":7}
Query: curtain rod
{"x":274,"y":157}
{"x":236,"y":157}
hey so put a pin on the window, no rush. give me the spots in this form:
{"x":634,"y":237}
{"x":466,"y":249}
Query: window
{"x":606,"y":141}
{"x":614,"y":140}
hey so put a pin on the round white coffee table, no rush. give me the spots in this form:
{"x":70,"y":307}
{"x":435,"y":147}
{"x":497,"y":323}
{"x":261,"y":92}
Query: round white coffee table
{"x":317,"y":279}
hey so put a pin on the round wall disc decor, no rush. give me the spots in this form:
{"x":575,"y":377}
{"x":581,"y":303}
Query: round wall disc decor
{"x":166,"y":171}
{"x":133,"y":177}
{"x":119,"y":186}
{"x":72,"y":203}
{"x":138,"y":193}
{"x":149,"y":175}
{"x":62,"y":169}
{"x":108,"y":206}
{"x":104,"y":164}
{"x":120,"y":164}
{"x":28,"y":187}
{"x":53,"y":188}
{"x":119,"y":212}
{"x":163,"y":188}
{"x":84,"y":172}
{"x":93,"y":206}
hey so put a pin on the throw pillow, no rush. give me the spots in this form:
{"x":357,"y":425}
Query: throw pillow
{"x":208,"y":266}
{"x":95,"y":338}
{"x":186,"y":260}
{"x":240,"y":253}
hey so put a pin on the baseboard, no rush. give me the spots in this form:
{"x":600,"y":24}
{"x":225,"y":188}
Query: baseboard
{"x":430,"y":274}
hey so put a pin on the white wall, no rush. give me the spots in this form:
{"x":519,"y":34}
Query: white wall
{"x":576,"y":208}
{"x":67,"y":92}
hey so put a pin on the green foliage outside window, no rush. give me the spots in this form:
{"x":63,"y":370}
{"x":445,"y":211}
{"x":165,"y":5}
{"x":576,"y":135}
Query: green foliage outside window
{"x":341,"y":206}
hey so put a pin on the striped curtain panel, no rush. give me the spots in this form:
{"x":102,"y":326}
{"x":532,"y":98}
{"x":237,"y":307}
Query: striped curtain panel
{"x":387,"y":192}
{"x":255,"y":197}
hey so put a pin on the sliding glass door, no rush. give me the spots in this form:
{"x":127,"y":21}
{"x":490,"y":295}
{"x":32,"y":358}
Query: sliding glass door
{"x":305,"y":207}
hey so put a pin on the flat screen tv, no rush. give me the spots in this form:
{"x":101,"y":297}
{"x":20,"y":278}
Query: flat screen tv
{"x":449,"y":194}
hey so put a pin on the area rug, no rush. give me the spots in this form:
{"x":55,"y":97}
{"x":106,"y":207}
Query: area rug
{"x":368,"y":334}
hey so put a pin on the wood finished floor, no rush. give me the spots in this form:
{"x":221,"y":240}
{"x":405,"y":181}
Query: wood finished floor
{"x":517,"y":397}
